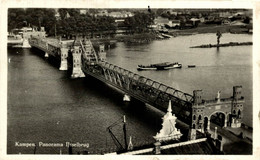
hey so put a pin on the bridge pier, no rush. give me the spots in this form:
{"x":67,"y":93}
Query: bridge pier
{"x":126,"y":98}
{"x":76,"y":54}
{"x":102,"y":53}
{"x":26,"y":43}
{"x":46,"y":55}
{"x":64,"y":61}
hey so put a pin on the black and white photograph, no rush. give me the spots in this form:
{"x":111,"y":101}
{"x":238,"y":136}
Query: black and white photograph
{"x":107,"y":80}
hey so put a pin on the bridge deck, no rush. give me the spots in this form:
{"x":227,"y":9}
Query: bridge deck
{"x":48,"y":45}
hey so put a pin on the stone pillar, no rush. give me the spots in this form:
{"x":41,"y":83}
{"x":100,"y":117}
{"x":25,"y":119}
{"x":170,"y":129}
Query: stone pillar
{"x":76,"y":70}
{"x":225,"y":122}
{"x":192,"y":134}
{"x":157,"y":147}
{"x":219,"y":145}
{"x":126,"y":98}
{"x":208,"y":127}
{"x":63,"y":57}
{"x":215,"y":133}
{"x":233,"y":123}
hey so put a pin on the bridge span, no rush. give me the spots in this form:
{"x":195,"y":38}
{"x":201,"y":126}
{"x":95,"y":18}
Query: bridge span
{"x":191,"y":109}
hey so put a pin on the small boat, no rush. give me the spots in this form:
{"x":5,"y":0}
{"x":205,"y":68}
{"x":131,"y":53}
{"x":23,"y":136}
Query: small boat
{"x":191,"y":66}
{"x":166,"y":35}
{"x":163,"y":30}
{"x":159,"y":66}
{"x":159,"y":36}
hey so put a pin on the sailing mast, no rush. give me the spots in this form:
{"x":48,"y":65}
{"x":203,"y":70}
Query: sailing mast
{"x":116,"y":141}
{"x":124,"y":129}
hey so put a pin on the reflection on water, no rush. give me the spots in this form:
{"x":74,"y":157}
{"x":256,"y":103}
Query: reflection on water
{"x":45,"y":105}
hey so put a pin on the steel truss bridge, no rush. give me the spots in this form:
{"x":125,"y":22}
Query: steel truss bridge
{"x":142,"y":88}
{"x":185,"y":106}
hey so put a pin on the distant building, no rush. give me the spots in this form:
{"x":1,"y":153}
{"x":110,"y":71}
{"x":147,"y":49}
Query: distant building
{"x":174,"y":23}
{"x":120,"y":14}
{"x":123,"y":14}
{"x":237,"y":23}
{"x":119,"y":20}
{"x":202,"y":19}
{"x":226,"y":21}
{"x":83,"y":11}
{"x":160,"y":21}
{"x":224,"y":14}
{"x":239,"y":14}
{"x":101,"y":13}
{"x":172,"y":12}
{"x":67,"y":15}
{"x":116,"y":15}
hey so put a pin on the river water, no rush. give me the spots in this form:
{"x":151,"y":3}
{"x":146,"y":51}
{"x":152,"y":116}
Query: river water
{"x":45,"y":105}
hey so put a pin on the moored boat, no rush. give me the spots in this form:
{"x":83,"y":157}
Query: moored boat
{"x":159,"y":66}
{"x":191,"y":66}
{"x":166,"y":35}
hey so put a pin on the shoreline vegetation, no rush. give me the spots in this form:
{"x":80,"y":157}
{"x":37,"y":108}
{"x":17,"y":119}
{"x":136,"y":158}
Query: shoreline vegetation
{"x":137,"y":38}
{"x":146,"y":37}
{"x":234,"y":29}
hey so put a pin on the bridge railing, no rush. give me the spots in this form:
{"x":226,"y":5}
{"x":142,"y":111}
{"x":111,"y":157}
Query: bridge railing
{"x":42,"y":43}
{"x":216,"y":100}
{"x":148,"y":91}
{"x":213,"y":101}
{"x":143,"y":80}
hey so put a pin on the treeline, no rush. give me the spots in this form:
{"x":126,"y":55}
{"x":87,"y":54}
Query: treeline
{"x":18,"y":18}
{"x":71,"y":22}
{"x":139,"y":22}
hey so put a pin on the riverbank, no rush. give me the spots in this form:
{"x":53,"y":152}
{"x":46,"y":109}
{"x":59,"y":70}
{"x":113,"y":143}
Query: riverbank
{"x":235,"y":29}
{"x":203,"y":29}
{"x":141,"y":38}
